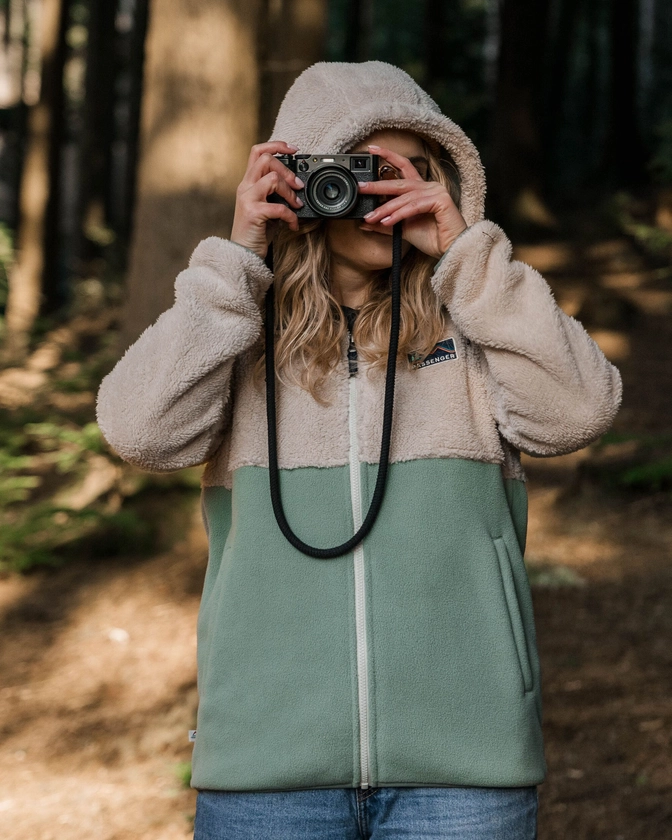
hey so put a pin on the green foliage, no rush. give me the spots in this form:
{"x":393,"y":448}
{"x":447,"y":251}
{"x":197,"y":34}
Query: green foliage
{"x":655,"y":240}
{"x":553,"y":577}
{"x":6,"y":258}
{"x":660,"y":165}
{"x":632,"y":462}
{"x":656,"y":475}
{"x":35,"y":459}
{"x":46,"y":535}
{"x":36,"y":531}
{"x":68,"y":442}
{"x":38,"y":460}
{"x":16,"y":488}
{"x":183,"y":773}
{"x":45,"y":456}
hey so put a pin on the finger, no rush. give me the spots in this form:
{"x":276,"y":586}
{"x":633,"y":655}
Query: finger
{"x":274,"y":147}
{"x":403,"y":164}
{"x":407,"y":211}
{"x":395,"y":203}
{"x":266,"y":212}
{"x":273,"y":182}
{"x":265,"y":164}
{"x":393,"y":187}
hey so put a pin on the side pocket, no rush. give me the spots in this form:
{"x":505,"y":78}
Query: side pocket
{"x":513,"y":606}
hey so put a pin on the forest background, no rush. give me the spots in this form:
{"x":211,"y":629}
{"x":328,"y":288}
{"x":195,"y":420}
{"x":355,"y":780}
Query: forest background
{"x":125,"y":127}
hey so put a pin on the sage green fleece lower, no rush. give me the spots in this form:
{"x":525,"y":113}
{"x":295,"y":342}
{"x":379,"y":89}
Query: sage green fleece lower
{"x":454,"y":694}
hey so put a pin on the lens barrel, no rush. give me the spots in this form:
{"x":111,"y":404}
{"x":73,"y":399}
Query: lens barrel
{"x":332,"y":191}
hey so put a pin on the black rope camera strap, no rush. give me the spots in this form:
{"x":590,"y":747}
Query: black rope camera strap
{"x":274,"y":474}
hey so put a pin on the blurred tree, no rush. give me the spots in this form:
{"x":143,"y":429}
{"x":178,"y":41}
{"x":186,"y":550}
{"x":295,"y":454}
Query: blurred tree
{"x":291,"y":38}
{"x":608,"y":73}
{"x":33,"y":274}
{"x":359,"y":22}
{"x":558,"y":95}
{"x":562,"y":34}
{"x":625,"y":155}
{"x":199,"y":119}
{"x":516,"y":158}
{"x":435,"y":16}
{"x":97,"y":136}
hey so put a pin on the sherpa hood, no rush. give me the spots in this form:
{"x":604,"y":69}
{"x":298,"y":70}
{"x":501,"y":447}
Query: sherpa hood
{"x":333,"y":105}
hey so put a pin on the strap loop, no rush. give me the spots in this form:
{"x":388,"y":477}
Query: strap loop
{"x":383,"y":463}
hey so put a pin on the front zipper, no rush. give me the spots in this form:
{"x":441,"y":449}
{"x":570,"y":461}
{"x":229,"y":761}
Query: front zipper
{"x":360,"y":592}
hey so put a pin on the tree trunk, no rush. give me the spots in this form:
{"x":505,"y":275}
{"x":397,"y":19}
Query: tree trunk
{"x":98,"y":128}
{"x":625,"y":157}
{"x":291,"y":38}
{"x":123,"y":206}
{"x":13,"y":51}
{"x":38,"y":190}
{"x":515,"y":184}
{"x":435,"y":42}
{"x":560,"y":45}
{"x":54,"y":294}
{"x":358,"y":30}
{"x":198,"y":122}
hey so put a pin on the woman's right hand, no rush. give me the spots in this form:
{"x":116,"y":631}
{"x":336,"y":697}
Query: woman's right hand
{"x":265,"y":175}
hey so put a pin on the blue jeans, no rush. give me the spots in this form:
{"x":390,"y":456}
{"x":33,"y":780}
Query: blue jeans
{"x":413,"y":813}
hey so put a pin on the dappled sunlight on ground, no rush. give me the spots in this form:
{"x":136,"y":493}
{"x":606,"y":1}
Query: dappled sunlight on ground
{"x":99,"y":669}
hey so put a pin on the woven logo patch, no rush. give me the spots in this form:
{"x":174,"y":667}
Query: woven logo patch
{"x":444,"y":351}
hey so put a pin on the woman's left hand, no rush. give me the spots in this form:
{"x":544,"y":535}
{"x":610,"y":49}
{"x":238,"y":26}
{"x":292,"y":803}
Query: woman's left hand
{"x":431,"y":221}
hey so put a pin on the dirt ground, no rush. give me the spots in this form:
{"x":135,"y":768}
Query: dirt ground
{"x":98,"y":685}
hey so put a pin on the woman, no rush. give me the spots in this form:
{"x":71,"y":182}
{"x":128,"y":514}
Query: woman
{"x":394,"y":690}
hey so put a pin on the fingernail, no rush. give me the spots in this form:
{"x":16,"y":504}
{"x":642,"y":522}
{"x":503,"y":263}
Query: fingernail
{"x":386,"y":219}
{"x":369,"y":215}
{"x":299,"y":183}
{"x":373,"y":147}
{"x":299,"y":202}
{"x":292,"y":146}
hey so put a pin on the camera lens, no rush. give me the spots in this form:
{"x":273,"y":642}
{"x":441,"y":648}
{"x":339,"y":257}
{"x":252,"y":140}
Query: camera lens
{"x":332,"y":191}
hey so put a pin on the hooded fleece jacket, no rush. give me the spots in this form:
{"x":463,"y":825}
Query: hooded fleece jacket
{"x":413,"y":660}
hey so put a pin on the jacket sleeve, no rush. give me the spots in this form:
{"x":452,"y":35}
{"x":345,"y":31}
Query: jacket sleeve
{"x":551,"y":389}
{"x":164,"y":405}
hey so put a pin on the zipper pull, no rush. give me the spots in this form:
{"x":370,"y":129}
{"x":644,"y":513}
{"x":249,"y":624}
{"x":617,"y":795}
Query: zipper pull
{"x":350,"y":316}
{"x":352,"y":355}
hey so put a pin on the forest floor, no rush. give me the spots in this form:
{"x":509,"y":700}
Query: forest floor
{"x":98,"y":659}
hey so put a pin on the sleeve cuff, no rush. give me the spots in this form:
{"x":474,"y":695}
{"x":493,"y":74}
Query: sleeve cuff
{"x":226,"y":256}
{"x":450,"y":247}
{"x":467,"y":257}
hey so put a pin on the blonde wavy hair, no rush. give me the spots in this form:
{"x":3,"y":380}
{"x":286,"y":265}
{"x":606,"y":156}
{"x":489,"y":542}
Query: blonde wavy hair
{"x":310,"y":324}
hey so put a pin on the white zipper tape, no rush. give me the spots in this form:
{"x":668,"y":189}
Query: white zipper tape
{"x":360,"y":591}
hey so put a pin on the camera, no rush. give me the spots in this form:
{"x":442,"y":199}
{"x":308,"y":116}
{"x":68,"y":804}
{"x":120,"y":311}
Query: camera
{"x":331,"y":184}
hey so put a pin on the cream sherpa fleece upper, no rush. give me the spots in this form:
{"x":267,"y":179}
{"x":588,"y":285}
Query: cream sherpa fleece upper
{"x":528,"y":377}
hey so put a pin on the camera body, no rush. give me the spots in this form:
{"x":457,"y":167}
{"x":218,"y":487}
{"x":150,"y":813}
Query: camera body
{"x":331,"y":185}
